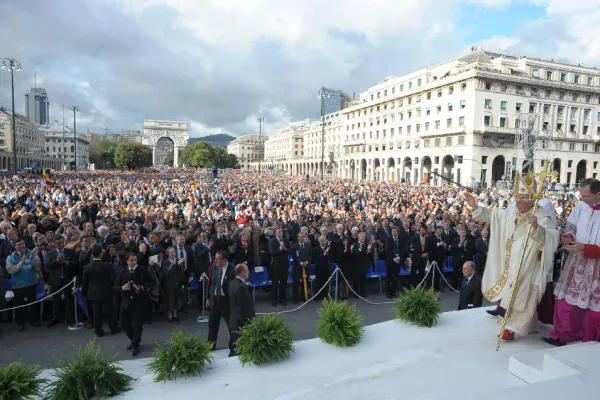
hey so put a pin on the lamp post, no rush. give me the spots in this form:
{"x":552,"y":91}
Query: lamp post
{"x":455,"y":158}
{"x":11,"y":64}
{"x":75,"y":111}
{"x":260,"y":144}
{"x":323,"y":95}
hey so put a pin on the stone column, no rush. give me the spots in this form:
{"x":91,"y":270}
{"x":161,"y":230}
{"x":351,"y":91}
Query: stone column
{"x":176,"y":156}
{"x":153,"y":155}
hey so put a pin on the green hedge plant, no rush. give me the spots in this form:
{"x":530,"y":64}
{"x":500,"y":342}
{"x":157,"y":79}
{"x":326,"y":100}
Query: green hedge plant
{"x":87,"y":375}
{"x":419,"y":306}
{"x":20,"y":381}
{"x":181,"y":356}
{"x":265,"y":339}
{"x":339,"y":325}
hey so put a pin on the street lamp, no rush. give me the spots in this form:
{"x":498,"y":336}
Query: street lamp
{"x":13,"y":64}
{"x":75,"y":111}
{"x":323,"y":95}
{"x":260,"y":144}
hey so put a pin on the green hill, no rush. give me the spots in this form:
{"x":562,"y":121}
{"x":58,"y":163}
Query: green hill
{"x":221,"y":140}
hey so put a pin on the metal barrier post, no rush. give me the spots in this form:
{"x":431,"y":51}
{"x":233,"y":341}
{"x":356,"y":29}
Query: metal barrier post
{"x":202,"y":319}
{"x":77,"y":325}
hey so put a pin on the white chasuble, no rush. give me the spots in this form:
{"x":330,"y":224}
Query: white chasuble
{"x":508,"y":231}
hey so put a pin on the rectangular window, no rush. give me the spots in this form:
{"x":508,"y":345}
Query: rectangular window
{"x":561,"y":95}
{"x":549,"y":75}
{"x":428,"y":111}
{"x":419,"y":82}
{"x":503,"y":105}
{"x":503,"y":87}
{"x":437,"y":124}
{"x":426,"y":143}
{"x":576,"y":79}
{"x":588,"y":98}
{"x":408,"y":129}
{"x":449,"y":141}
{"x":449,"y":123}
{"x":463,"y":87}
{"x":451,"y":90}
{"x":462,"y":104}
{"x":418,"y":128}
{"x":563,"y":77}
{"x":410,"y":85}
{"x":449,"y":106}
{"x":548,"y":93}
{"x":438,"y":142}
{"x":518,"y":107}
{"x":428,"y":95}
{"x":502,"y":122}
{"x":487,"y":120}
{"x":394,"y":90}
{"x":488,"y":103}
{"x":461,"y":140}
{"x":439,"y":93}
{"x":535,"y":72}
{"x":461,"y":121}
{"x":402,"y":87}
{"x":590,"y":80}
{"x":426,"y":126}
{"x":574,"y":97}
{"x":385,"y":92}
{"x":534,"y":91}
{"x":392,"y":132}
{"x":520,"y":90}
{"x":488,"y":86}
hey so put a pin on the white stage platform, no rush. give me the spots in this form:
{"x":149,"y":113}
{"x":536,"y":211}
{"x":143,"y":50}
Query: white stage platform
{"x":456,"y":359}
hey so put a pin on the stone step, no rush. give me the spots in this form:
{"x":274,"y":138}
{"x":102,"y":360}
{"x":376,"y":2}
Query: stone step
{"x":542,"y":365}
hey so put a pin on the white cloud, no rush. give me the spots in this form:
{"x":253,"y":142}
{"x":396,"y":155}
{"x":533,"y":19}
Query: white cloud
{"x":499,"y":43}
{"x":500,"y":4}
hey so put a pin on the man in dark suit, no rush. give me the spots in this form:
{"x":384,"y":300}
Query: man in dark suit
{"x":240,"y":304}
{"x":418,"y":250}
{"x":437,"y":253}
{"x":279,"y":254}
{"x":463,"y":248}
{"x":302,"y":252}
{"x":394,"y":258}
{"x":217,"y":300}
{"x":61,"y":267}
{"x":202,"y":260}
{"x":133,"y":283}
{"x":97,"y":287}
{"x":187,"y":254}
{"x":481,"y":251}
{"x":470,"y":292}
{"x":361,"y":251}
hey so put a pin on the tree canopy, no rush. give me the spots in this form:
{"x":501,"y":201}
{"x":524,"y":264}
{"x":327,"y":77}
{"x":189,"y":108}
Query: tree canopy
{"x":132,"y":155}
{"x":206,"y":155}
{"x":102,"y":154}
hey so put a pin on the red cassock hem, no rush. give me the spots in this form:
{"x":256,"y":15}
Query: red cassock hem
{"x":591,"y":251}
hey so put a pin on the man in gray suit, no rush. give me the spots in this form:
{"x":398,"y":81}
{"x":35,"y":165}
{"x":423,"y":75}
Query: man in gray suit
{"x":241,"y":305}
{"x":302,"y":253}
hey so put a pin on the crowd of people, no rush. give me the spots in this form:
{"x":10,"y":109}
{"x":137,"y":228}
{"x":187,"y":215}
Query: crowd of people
{"x":180,"y":224}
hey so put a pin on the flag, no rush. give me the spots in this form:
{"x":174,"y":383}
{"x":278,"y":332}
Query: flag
{"x":47,"y":180}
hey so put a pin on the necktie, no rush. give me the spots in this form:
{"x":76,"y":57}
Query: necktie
{"x":301,"y":245}
{"x":218,"y":286}
{"x":465,"y":282}
{"x":181,"y":252}
{"x":131,"y":271}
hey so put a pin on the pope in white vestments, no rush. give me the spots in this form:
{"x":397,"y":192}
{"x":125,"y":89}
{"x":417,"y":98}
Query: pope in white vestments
{"x":508,"y":230}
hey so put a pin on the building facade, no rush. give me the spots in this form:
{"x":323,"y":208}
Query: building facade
{"x":37,"y":106}
{"x":285,"y":147}
{"x":99,"y":137}
{"x":248,"y":149}
{"x":60,"y":144}
{"x":465,"y":119}
{"x":131,"y":135}
{"x":30,"y":139}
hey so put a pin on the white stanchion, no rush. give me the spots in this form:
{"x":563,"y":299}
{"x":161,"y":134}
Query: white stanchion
{"x":77,"y":325}
{"x":202,"y":318}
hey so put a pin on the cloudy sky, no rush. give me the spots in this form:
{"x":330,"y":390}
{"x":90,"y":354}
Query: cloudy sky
{"x":219,"y":64}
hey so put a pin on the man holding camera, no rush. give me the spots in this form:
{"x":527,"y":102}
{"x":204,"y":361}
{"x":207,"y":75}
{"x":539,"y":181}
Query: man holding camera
{"x":133,"y":283}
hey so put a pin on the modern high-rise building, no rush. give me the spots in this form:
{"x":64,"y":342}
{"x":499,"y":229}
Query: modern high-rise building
{"x":37,"y":106}
{"x":334,"y":100}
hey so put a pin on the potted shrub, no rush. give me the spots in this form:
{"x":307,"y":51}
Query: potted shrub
{"x":181,"y":356}
{"x":419,"y":306}
{"x":265,"y":339}
{"x":20,"y":381}
{"x":88,"y":375}
{"x":339,"y":324}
